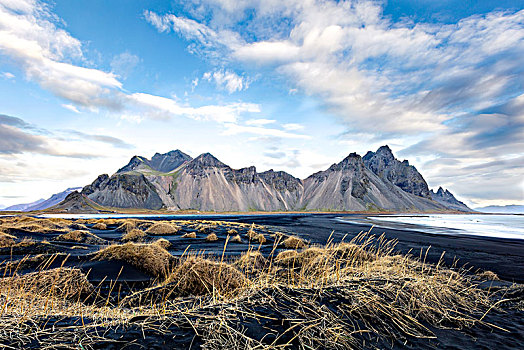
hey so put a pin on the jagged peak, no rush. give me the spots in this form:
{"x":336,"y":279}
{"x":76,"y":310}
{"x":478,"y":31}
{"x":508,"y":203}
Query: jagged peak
{"x":351,"y":158}
{"x":385,"y":151}
{"x":175,"y":152}
{"x":207,"y":159}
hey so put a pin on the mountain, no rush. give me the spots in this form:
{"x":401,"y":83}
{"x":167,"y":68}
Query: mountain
{"x":42,"y":204}
{"x":387,"y":167}
{"x":350,"y":185}
{"x":76,"y":203}
{"x":24,"y":206}
{"x":503,"y":209}
{"x":447,"y":199}
{"x":159,"y":162}
{"x":175,"y":181}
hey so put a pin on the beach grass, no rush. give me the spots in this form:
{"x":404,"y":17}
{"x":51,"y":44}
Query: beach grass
{"x":337,"y":296}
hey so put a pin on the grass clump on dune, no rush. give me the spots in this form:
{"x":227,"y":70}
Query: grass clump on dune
{"x":100,"y":226}
{"x":162,"y":228}
{"x":135,"y":235}
{"x":251,"y":261}
{"x":162,"y":242}
{"x":61,"y":282}
{"x":189,"y":235}
{"x":6,"y":240}
{"x":150,"y":258}
{"x":236,"y":239}
{"x":80,"y":236}
{"x":293,"y":242}
{"x":198,"y":276}
{"x":126,"y":226}
{"x":211,"y":237}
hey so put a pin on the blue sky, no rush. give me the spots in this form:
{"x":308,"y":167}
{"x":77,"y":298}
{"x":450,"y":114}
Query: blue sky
{"x":289,"y":85}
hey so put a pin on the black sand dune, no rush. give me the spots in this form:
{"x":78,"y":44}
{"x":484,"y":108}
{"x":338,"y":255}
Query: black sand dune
{"x":282,"y":315}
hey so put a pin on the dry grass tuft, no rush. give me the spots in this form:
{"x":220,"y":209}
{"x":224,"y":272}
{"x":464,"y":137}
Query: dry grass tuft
{"x":251,"y":261}
{"x":488,"y":275}
{"x":126,"y":226}
{"x":150,"y":258}
{"x":293,"y":242}
{"x":100,"y":226}
{"x":162,"y":228}
{"x":232,"y":232}
{"x":77,"y":226}
{"x":198,"y":276}
{"x":261,"y":238}
{"x":236,"y":239}
{"x":162,"y":242}
{"x":65,"y":283}
{"x":6,"y":240}
{"x":80,"y":236}
{"x":189,"y":235}
{"x":135,"y":235}
{"x":211,"y":237}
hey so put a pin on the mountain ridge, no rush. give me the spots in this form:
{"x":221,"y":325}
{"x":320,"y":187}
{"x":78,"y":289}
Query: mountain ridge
{"x":176,"y":181}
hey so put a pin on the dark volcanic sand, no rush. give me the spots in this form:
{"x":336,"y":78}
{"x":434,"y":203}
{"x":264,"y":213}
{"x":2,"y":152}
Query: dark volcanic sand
{"x":505,"y":257}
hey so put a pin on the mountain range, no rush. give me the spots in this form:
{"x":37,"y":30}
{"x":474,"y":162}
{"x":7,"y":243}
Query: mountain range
{"x":176,"y":181}
{"x":503,"y":209}
{"x":42,"y":204}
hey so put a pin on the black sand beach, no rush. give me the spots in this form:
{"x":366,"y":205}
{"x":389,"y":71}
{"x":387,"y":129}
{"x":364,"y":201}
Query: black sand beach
{"x":505,"y":257}
{"x":125,"y":279}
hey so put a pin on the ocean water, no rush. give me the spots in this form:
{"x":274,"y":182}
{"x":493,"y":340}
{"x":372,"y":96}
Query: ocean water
{"x":500,"y":226}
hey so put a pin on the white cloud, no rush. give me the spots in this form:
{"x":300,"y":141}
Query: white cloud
{"x":71,"y":107}
{"x":28,"y":36}
{"x":8,"y":75}
{"x":390,"y":80}
{"x":293,"y":126}
{"x":124,"y":63}
{"x":234,"y":129}
{"x":162,"y":108}
{"x":227,"y":80}
{"x":260,"y":122}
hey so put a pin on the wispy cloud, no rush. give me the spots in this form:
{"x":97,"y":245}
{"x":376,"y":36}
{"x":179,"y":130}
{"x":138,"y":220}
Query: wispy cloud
{"x":448,"y":85}
{"x":227,"y":80}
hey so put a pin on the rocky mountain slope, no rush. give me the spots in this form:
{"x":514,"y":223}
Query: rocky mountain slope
{"x":76,"y":203}
{"x":448,"y":200}
{"x":174,"y":180}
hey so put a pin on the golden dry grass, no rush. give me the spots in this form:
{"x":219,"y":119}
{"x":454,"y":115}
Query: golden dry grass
{"x":293,"y":242}
{"x":162,"y":242}
{"x":211,"y":237}
{"x":80,"y":236}
{"x":162,"y":228}
{"x":329,"y":296}
{"x":150,"y":258}
{"x":236,"y":239}
{"x":6,"y":240}
{"x":77,"y":226}
{"x":100,"y":226}
{"x":232,"y":232}
{"x":189,"y":235}
{"x":251,"y":261}
{"x":198,"y":276}
{"x":488,"y":275}
{"x":126,"y":226}
{"x":135,"y":235}
{"x":62,"y":282}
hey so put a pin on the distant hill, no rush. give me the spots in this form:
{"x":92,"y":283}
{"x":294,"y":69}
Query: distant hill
{"x":23,"y":206}
{"x":176,"y":181}
{"x":506,"y":209}
{"x":42,"y":204}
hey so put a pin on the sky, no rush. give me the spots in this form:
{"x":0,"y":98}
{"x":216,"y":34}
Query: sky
{"x":291,"y":85}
